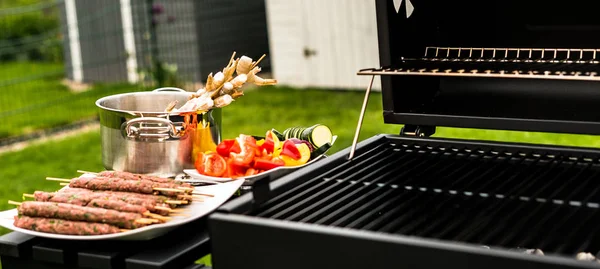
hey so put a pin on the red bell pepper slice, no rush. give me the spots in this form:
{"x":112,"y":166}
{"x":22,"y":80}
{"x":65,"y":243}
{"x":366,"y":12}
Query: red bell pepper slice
{"x":234,"y":171}
{"x":246,"y":155}
{"x":251,"y":171}
{"x":262,"y":164}
{"x":289,"y":149}
{"x":227,"y":146}
{"x":269,"y":145}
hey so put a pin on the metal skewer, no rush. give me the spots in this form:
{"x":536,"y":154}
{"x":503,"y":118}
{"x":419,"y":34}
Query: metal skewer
{"x":360,"y":119}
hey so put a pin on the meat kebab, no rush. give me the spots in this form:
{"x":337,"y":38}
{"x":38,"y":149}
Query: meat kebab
{"x":60,"y":226}
{"x":108,"y":200}
{"x":126,"y":185}
{"x":73,"y":212}
{"x":132,"y":176}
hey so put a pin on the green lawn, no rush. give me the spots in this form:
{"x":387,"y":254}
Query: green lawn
{"x":33,"y":98}
{"x":18,"y":3}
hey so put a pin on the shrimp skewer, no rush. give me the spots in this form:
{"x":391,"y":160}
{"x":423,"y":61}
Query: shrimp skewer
{"x":222,"y":88}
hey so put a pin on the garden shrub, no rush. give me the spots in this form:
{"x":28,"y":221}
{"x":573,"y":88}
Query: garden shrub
{"x":33,"y":35}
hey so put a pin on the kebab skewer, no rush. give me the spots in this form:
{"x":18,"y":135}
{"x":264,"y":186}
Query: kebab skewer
{"x":72,"y":212}
{"x":161,"y":199}
{"x":124,"y":185}
{"x":104,"y":200}
{"x":60,"y":226}
{"x":132,"y":176}
{"x":171,"y":203}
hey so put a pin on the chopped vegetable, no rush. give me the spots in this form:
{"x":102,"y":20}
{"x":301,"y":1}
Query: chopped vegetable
{"x":304,"y":156}
{"x":298,"y":141}
{"x":227,"y":146}
{"x":289,"y":149}
{"x":317,"y":134}
{"x":271,"y":142}
{"x":246,"y":155}
{"x":251,"y":172}
{"x":234,"y":171}
{"x":322,"y":149}
{"x":210,"y":164}
{"x":249,"y":155}
{"x":279,"y":135}
{"x":263,"y":164}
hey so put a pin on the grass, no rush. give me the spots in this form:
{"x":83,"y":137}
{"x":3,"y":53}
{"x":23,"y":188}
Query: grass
{"x":18,"y":3}
{"x":33,"y":98}
{"x":25,"y":171}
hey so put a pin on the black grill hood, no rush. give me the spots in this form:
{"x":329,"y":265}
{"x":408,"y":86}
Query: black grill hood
{"x":508,"y":65}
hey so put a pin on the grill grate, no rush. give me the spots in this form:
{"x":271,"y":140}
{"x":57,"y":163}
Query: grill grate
{"x":504,"y":199}
{"x":564,"y":64}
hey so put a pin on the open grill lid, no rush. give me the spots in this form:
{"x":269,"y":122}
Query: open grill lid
{"x":510,"y":65}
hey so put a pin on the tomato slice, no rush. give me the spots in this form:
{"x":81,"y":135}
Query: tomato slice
{"x":210,"y":164}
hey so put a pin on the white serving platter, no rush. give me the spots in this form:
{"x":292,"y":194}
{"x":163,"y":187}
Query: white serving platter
{"x":195,"y":210}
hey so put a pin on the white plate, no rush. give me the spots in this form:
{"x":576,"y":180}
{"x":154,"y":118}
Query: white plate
{"x":274,"y":173}
{"x":195,"y":210}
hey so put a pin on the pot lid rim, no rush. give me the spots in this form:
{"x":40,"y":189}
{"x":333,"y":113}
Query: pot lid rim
{"x":141,"y":113}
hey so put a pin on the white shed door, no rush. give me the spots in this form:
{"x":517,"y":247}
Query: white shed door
{"x":316,"y":43}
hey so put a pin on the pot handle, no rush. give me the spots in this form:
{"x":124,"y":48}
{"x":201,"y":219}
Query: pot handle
{"x":168,"y":89}
{"x":163,"y":132}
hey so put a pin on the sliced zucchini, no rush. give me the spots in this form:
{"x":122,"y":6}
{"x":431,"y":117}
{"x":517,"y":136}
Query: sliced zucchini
{"x":318,"y":135}
{"x":319,"y":151}
{"x":297,"y":132}
{"x":279,"y":135}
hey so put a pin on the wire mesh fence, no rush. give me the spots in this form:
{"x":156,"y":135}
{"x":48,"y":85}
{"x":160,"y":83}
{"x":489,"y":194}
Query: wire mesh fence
{"x":58,"y":56}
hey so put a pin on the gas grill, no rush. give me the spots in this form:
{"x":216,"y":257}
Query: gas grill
{"x":414,"y":201}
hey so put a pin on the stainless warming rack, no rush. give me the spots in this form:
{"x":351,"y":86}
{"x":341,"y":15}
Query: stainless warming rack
{"x":531,"y":63}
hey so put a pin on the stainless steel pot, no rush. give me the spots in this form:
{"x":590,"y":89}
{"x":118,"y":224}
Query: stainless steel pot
{"x":138,"y":136}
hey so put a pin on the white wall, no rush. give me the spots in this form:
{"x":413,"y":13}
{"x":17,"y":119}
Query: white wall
{"x":341,"y":33}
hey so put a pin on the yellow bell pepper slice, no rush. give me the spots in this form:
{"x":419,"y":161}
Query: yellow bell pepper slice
{"x":304,"y":156}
